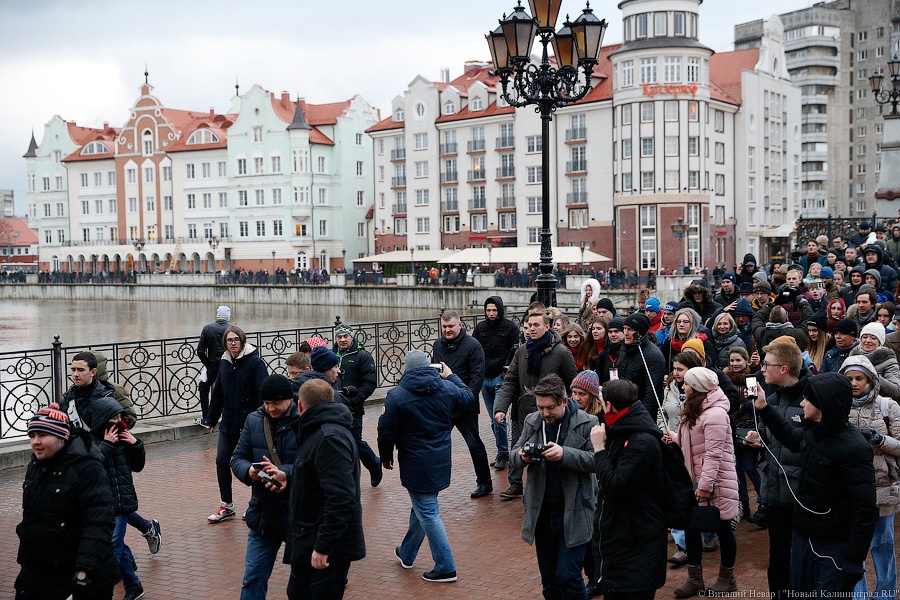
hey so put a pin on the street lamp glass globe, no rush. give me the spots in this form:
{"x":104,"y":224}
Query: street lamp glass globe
{"x":519,"y":30}
{"x":499,"y":52}
{"x":545,"y":11}
{"x":564,"y":47}
{"x":588,"y":32}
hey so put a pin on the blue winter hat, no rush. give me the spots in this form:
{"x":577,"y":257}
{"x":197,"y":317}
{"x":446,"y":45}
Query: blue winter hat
{"x":323,"y":359}
{"x":652,"y":304}
{"x":671,"y":307}
{"x":730,"y":277}
{"x":827,"y":273}
{"x":744,"y":308}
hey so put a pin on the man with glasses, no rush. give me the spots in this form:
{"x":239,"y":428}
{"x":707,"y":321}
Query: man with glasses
{"x":781,"y":467}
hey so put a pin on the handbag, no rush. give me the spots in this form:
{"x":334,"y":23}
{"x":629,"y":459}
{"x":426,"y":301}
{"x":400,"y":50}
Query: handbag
{"x":704,"y":518}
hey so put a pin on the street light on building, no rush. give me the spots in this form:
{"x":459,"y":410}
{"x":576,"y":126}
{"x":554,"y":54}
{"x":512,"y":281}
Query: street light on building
{"x":213,"y":244}
{"x":412,"y":262}
{"x":891,"y":96}
{"x":680,"y":230}
{"x":575,"y":47}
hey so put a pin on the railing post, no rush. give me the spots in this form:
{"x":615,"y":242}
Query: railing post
{"x":58,"y":371}
{"x":337,"y":320}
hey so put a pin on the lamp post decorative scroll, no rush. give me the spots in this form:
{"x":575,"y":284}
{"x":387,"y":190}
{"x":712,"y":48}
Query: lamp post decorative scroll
{"x":576,"y":47}
{"x":891,"y":96}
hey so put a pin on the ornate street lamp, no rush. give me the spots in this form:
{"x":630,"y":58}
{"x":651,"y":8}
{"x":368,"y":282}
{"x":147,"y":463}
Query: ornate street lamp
{"x":891,"y":96}
{"x":547,"y":86}
{"x":583,"y":248}
{"x":680,"y":230}
{"x":213,"y":244}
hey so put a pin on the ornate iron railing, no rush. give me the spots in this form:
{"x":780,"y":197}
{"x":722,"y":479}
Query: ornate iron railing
{"x":162,"y":375}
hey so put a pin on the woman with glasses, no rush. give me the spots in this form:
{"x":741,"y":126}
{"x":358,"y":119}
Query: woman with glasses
{"x":685,"y":327}
{"x":235,"y":395}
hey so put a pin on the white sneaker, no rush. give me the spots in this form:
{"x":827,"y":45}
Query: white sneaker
{"x":224,"y":513}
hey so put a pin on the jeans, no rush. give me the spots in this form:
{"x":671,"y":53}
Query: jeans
{"x":425,"y":519}
{"x":224,"y":449}
{"x":560,"y":566}
{"x":307,"y":583}
{"x":814,"y":565}
{"x":467,"y":425}
{"x":366,"y":455}
{"x":204,"y":387}
{"x":258,"y":564}
{"x":489,"y":391}
{"x":884,"y":560}
{"x":746,"y":460}
{"x":139,"y":522}
{"x":727,"y":545}
{"x":678,"y":538}
{"x":123,"y":554}
{"x":781,"y":529}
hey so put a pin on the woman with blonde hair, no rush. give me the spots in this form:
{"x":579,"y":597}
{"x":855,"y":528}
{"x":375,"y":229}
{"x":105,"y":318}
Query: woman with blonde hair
{"x":817,"y":332}
{"x":725,"y":337}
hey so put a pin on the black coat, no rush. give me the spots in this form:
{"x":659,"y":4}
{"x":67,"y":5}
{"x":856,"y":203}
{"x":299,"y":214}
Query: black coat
{"x":210,"y":349}
{"x":837,"y":474}
{"x":236,"y":393}
{"x":631,"y":367}
{"x":268,"y":511}
{"x":631,"y":484}
{"x":67,"y":521}
{"x":84,"y":400}
{"x":120,"y":459}
{"x":498,"y":338}
{"x":326,"y":514}
{"x":465,"y":357}
{"x":786,"y":402}
{"x":358,"y":370}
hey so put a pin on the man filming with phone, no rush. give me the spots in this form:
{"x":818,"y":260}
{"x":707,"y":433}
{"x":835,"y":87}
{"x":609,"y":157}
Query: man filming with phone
{"x":264,"y":460}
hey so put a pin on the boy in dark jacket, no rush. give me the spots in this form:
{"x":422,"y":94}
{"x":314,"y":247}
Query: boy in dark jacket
{"x":122,"y":454}
{"x":835,"y":513}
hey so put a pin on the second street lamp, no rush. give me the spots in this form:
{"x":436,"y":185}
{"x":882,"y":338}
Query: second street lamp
{"x":545,"y":85}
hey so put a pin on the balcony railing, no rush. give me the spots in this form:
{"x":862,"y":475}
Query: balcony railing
{"x":398,"y":154}
{"x":398,"y":181}
{"x":448,"y":148}
{"x":503,"y":172}
{"x":506,"y":141}
{"x":476,"y":175}
{"x":576,"y":198}
{"x":449,"y":177}
{"x":475,"y":146}
{"x":450,"y":206}
{"x":477,"y":204}
{"x":506,"y":202}
{"x":576,"y":166}
{"x":577,"y":133}
{"x":398,"y":209}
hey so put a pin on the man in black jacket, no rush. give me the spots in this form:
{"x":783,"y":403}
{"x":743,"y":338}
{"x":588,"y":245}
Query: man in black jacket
{"x":357,"y":368}
{"x":65,"y":484}
{"x":498,"y":337}
{"x":210,"y":349}
{"x":325,"y":509}
{"x":465,"y":357}
{"x":835,"y":511}
{"x":78,"y":400}
{"x":642,"y":363}
{"x":631,"y":482}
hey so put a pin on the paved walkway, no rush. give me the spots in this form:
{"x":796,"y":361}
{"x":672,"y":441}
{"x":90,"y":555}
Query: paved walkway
{"x":199,"y":560}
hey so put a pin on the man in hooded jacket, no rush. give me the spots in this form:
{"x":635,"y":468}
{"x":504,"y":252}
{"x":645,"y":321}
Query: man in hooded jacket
{"x":873,"y":256}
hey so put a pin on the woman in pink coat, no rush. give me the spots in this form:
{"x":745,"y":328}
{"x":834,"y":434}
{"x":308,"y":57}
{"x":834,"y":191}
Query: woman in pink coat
{"x":705,"y":437}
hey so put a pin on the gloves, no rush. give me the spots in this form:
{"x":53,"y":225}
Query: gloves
{"x":82,"y":589}
{"x":850,"y":575}
{"x":873,"y":437}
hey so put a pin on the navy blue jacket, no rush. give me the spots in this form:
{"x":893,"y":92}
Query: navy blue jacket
{"x":120,"y":459}
{"x":417,"y":419}
{"x":465,"y":357}
{"x":268,"y":511}
{"x":236,"y":393}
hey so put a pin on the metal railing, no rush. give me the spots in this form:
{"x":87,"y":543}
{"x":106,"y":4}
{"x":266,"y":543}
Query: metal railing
{"x":161,"y":375}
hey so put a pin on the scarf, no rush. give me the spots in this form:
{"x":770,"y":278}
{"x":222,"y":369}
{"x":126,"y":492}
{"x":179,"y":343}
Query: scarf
{"x":611,"y":418}
{"x":534,"y":348}
{"x":601,"y":344}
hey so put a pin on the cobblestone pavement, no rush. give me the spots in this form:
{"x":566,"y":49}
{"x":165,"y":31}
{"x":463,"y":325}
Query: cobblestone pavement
{"x":199,"y":560}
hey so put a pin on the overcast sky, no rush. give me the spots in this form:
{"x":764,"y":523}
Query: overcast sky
{"x":84,"y":61}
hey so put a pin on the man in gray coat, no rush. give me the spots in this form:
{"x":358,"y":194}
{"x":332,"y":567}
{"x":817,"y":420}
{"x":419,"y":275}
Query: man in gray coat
{"x":559,"y":497}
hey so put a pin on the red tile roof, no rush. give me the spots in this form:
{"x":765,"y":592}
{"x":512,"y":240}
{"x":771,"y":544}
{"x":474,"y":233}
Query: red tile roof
{"x":725,"y":70}
{"x":19,"y":233}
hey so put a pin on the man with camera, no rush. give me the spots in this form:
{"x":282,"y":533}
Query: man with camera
{"x":555,"y":447}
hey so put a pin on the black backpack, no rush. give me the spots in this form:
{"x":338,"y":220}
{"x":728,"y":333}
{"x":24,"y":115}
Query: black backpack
{"x":678,"y":500}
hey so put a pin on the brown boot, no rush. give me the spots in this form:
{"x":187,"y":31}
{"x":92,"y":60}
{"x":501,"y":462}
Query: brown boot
{"x":725,"y":582}
{"x":694,"y":584}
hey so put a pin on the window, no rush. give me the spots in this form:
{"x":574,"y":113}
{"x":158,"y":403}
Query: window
{"x":205,"y":170}
{"x":626,"y":148}
{"x":534,"y":235}
{"x":422,"y":198}
{"x":361,"y":198}
{"x":659,"y":25}
{"x":534,"y":174}
{"x":61,"y":236}
{"x":359,"y":140}
{"x":150,"y":203}
{"x":207,"y":200}
{"x":693,"y":220}
{"x":191,"y":201}
{"x":647,"y":180}
{"x":421,"y":167}
{"x":578,"y":218}
{"x":647,"y":146}
{"x":672,"y":70}
{"x":85,"y":207}
{"x":260,"y":196}
{"x":720,"y":153}
{"x":423,"y":225}
{"x":648,"y":237}
{"x":534,"y":143}
{"x":257,"y":134}
{"x":111,"y":178}
{"x":132,"y":205}
{"x":131,"y":175}
{"x":189,"y":171}
{"x":148,"y":174}
{"x":477,"y":103}
{"x":420,"y":141}
{"x":627,"y":184}
{"x":323,"y":196}
{"x":399,"y":226}
{"x":693,"y":70}
{"x":693,"y":110}
{"x":48,"y":236}
{"x":84,"y":182}
{"x":223,"y":200}
{"x":646,"y":112}
{"x":221,"y":167}
{"x":85,"y":235}
{"x":276,"y":196}
{"x":257,"y":165}
{"x":751,"y":189}
{"x":359,"y":167}
{"x":678,"y":24}
{"x":243,"y":229}
{"x":627,"y":73}
{"x":321,"y":164}
{"x":693,"y":146}
{"x":641,"y":25}
{"x":648,"y":70}
{"x":260,"y":229}
{"x":720,"y":120}
{"x":147,"y":142}
{"x":694,"y":180}
{"x":671,"y":145}
{"x":626,"y":114}
{"x":507,"y":221}
{"x":534,"y":205}
{"x":720,"y":185}
{"x":277,"y":228}
{"x":167,"y":202}
{"x":166,"y":174}
{"x":751,"y":158}
{"x":113,"y":207}
{"x":242,"y":198}
{"x":98,"y":179}
{"x":671,"y":110}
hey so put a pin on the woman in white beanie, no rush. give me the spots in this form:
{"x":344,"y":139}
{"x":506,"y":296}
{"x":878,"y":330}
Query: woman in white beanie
{"x":871,"y":345}
{"x":705,"y":437}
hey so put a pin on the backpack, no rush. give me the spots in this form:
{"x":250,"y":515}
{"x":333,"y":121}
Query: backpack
{"x":678,"y":498}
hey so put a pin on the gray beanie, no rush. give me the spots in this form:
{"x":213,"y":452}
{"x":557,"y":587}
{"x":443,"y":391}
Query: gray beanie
{"x":416,"y":359}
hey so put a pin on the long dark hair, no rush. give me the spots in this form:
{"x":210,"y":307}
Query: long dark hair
{"x":693,"y":406}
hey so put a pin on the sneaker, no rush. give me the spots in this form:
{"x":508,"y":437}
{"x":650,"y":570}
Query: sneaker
{"x":758,"y":519}
{"x":712,"y":545}
{"x":402,"y":564}
{"x":436,"y":577}
{"x":153,"y":536}
{"x":134,"y":594}
{"x":513,"y":491}
{"x":200,"y":421}
{"x":679,"y":558}
{"x":224,"y":513}
{"x":244,"y":516}
{"x":501,"y":462}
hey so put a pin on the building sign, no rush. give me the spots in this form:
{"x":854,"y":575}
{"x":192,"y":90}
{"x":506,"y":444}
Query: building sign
{"x":672,"y":90}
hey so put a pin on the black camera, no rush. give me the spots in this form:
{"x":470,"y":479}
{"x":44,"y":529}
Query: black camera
{"x":534,"y":451}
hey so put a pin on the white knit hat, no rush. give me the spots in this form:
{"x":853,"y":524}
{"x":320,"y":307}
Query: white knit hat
{"x":874,"y":328}
{"x":701,"y":379}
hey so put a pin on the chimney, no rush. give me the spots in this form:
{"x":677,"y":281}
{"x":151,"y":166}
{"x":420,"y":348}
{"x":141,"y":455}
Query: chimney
{"x":286,"y":99}
{"x":445,"y":75}
{"x":212,"y":113}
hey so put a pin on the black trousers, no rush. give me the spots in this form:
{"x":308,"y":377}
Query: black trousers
{"x":781,"y":529}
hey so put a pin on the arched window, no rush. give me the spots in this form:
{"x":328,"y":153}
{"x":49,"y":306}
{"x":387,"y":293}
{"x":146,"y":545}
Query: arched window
{"x":94,"y":148}
{"x":147,"y":143}
{"x":202,"y":136}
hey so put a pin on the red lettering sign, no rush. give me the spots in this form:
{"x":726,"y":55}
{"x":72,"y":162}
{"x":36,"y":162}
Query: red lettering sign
{"x":672,"y":90}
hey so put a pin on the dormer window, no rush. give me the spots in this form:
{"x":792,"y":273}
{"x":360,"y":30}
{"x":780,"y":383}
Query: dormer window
{"x":399,"y":116}
{"x":477,"y":103}
{"x":449,"y":107}
{"x":202,"y":136}
{"x":95,"y":148}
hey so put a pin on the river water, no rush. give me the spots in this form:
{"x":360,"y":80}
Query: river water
{"x":31,"y":325}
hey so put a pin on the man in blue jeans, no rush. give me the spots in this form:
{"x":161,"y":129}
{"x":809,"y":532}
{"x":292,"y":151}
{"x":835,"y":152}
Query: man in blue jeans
{"x":417,"y":419}
{"x":498,"y":337}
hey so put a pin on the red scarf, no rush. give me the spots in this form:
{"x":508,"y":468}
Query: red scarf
{"x":601,"y":344}
{"x":612,"y":418}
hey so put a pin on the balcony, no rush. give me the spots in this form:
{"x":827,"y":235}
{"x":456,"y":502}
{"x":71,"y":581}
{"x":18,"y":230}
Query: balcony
{"x":398,"y":209}
{"x":505,"y":142}
{"x":476,"y":175}
{"x":450,"y":206}
{"x":506,"y":202}
{"x":506,"y":172}
{"x":449,"y":177}
{"x":398,"y":154}
{"x":398,"y":181}
{"x":477,"y":204}
{"x":576,"y":198}
{"x":448,"y":148}
{"x":576,"y":166}
{"x":576,"y":134}
{"x":475,"y":146}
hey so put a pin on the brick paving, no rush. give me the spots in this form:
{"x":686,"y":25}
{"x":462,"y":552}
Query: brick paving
{"x":199,"y":560}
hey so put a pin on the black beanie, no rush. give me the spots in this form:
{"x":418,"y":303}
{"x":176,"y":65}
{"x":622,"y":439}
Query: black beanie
{"x":616,"y":323}
{"x":607,"y":304}
{"x":819,"y":320}
{"x":833,"y":385}
{"x":275,"y":387}
{"x":847,"y":326}
{"x":639,"y":322}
